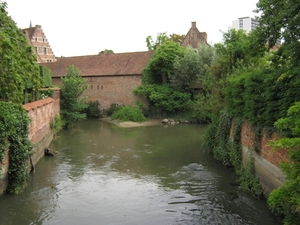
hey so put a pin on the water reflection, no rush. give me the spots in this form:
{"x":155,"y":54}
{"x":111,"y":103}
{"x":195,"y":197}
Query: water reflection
{"x":104,"y":174}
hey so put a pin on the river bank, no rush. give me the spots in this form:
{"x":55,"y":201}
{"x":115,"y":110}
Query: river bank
{"x":148,"y":122}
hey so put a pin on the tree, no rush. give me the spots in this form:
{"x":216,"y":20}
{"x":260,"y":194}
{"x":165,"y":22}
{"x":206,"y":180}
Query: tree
{"x":186,"y":70}
{"x":177,"y":38}
{"x":72,"y":104}
{"x":160,"y":67}
{"x":18,"y":68}
{"x":280,"y":20}
{"x":106,"y":52}
{"x":160,"y":39}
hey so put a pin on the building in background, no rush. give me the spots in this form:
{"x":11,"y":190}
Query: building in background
{"x":248,"y":24}
{"x":194,"y":37}
{"x":245,"y":23}
{"x":37,"y":39}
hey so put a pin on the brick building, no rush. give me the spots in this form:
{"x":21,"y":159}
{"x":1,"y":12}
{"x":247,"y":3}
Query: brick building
{"x":194,"y":37}
{"x":110,"y":77}
{"x":37,"y":39}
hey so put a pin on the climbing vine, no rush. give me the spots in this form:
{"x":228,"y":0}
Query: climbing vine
{"x":14,"y":123}
{"x":228,"y":151}
{"x":18,"y":68}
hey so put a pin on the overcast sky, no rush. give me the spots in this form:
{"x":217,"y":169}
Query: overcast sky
{"x":87,"y":27}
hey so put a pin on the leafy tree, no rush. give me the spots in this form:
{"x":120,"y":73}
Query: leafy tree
{"x":72,"y":104}
{"x":18,"y":67}
{"x":280,"y":20}
{"x":177,"y":38}
{"x":106,"y":51}
{"x":160,"y":39}
{"x":186,"y":70}
{"x":161,"y":65}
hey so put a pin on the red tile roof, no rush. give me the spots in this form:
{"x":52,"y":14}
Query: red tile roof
{"x":132,"y":63}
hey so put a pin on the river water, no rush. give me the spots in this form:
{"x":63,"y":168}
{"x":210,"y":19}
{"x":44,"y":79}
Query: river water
{"x":158,"y":175}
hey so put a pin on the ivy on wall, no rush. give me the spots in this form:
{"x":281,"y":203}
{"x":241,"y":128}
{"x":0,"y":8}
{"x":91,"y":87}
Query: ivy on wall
{"x":14,"y":123}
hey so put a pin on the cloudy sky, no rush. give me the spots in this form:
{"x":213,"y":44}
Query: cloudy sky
{"x":90,"y":26}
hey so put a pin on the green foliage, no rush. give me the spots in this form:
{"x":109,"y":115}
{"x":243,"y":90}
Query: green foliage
{"x":106,"y":52}
{"x":249,"y":181}
{"x":235,"y":147}
{"x":280,"y":20}
{"x":113,"y":107}
{"x":72,"y":104}
{"x":160,"y":39}
{"x":285,"y":200}
{"x":128,"y":113}
{"x":186,"y":70}
{"x":57,"y":124}
{"x":18,"y":68}
{"x":177,"y":38}
{"x":164,"y":98}
{"x":160,"y":67}
{"x":262,"y":96}
{"x":216,"y":138}
{"x":14,"y":123}
{"x":93,"y":109}
{"x":46,"y":76}
{"x":238,"y":49}
{"x":229,"y":153}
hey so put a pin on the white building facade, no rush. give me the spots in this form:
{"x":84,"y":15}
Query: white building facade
{"x":245,"y":23}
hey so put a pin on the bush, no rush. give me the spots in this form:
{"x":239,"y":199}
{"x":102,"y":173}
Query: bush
{"x":164,"y":98}
{"x":57,"y":124}
{"x":128,"y":113}
{"x":113,"y":107}
{"x":93,"y":110}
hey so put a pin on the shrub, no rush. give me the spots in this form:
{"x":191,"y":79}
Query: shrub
{"x":164,"y":98}
{"x":113,"y":107}
{"x":128,"y":113}
{"x":93,"y":110}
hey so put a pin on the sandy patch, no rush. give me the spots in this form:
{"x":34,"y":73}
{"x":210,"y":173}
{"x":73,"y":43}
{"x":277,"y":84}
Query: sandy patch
{"x":150,"y":122}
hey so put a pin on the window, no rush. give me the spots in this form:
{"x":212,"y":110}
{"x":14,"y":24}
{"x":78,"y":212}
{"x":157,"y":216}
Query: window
{"x":45,"y":50}
{"x":240,"y":24}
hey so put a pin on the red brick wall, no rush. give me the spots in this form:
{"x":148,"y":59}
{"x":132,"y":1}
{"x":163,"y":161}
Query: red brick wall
{"x":109,"y":90}
{"x":247,"y":140}
{"x":266,"y":161}
{"x":41,"y":114}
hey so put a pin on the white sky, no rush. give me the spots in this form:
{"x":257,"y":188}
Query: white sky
{"x":87,"y":27}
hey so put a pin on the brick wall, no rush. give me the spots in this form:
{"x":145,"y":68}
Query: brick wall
{"x":41,"y":113}
{"x":109,"y":90}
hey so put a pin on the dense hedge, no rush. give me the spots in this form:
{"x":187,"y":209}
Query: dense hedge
{"x":262,"y":97}
{"x":46,"y":76}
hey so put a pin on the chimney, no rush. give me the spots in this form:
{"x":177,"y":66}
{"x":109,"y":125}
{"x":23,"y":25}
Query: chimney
{"x":193,"y":24}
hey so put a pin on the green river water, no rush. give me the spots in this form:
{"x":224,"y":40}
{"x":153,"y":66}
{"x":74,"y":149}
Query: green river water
{"x":157,"y":175}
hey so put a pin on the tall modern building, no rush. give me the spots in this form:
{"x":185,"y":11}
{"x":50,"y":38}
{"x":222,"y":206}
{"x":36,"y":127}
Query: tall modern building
{"x":245,"y":23}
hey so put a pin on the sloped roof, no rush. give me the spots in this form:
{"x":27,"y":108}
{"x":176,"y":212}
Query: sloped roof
{"x":131,"y":63}
{"x":194,"y":37}
{"x":29,"y":32}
